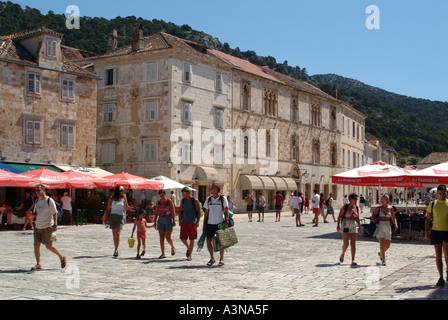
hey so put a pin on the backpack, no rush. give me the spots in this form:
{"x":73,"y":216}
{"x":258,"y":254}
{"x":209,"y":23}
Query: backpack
{"x":209,"y":201}
{"x":58,"y":207}
{"x":327,"y":202}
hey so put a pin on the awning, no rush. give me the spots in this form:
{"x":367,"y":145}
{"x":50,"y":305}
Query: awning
{"x":248,"y":182}
{"x":25,"y":167}
{"x":291,"y":185}
{"x":5,"y":167}
{"x":93,"y":171}
{"x":207,"y":174}
{"x":268,"y":183}
{"x":280,"y":184}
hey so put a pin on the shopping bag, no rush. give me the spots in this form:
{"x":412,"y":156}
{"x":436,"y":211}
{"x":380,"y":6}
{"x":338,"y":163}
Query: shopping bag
{"x":226,"y":238}
{"x":201,"y":241}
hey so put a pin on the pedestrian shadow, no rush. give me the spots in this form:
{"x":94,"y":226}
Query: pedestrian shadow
{"x":16,"y":271}
{"x":190,"y":267}
{"x":91,"y":257}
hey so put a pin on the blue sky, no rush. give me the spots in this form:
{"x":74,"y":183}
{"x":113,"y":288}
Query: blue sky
{"x":407,"y":55}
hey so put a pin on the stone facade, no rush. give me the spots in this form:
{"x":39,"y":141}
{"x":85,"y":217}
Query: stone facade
{"x":157,"y":98}
{"x":47,"y":104}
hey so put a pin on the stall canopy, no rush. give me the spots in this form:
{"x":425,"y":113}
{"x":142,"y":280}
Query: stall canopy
{"x":49,"y":178}
{"x":8,"y":168}
{"x":129,"y":181}
{"x":170,"y":184}
{"x":5,"y":176}
{"x":434,"y":175}
{"x":376,"y":174}
{"x":93,"y":171}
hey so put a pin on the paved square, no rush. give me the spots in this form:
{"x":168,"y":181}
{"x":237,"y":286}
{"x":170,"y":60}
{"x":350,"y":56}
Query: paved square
{"x":273,"y":260}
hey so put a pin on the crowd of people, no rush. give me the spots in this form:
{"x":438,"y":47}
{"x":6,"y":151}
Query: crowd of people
{"x":216,"y":216}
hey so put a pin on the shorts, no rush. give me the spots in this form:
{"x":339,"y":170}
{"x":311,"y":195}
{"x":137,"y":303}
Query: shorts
{"x":349,"y":226}
{"x":322,"y":211}
{"x":261,"y":209}
{"x":296,"y":211}
{"x":188,"y":231}
{"x":315,"y":210}
{"x":383,"y":231}
{"x":116,"y":221}
{"x":210,"y":230}
{"x":437,"y":237}
{"x":330,"y":210}
{"x":278,"y":207}
{"x":249,"y":208}
{"x":141,"y":235}
{"x":43,"y":235}
{"x":165,"y":223}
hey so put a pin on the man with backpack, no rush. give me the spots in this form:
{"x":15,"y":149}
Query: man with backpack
{"x":189,"y":216}
{"x":216,"y":213}
{"x":45,"y":213}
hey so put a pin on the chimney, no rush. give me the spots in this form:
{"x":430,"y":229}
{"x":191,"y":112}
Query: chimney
{"x":334,"y":92}
{"x":112,"y":41}
{"x":137,"y":38}
{"x":265,"y":69}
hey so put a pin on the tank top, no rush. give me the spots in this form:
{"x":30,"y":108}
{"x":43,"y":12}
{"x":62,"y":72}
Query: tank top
{"x":381,"y":214}
{"x":118,"y":207}
{"x":164,"y":209}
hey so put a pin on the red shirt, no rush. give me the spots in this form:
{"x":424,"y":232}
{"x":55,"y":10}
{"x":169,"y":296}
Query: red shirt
{"x":278,"y":200}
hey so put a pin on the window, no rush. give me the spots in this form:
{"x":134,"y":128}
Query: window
{"x":109,"y":114}
{"x":245,"y":96}
{"x":316,"y":154}
{"x":315,"y":113}
{"x":357,"y":132}
{"x":246,"y":146}
{"x":34,"y":83}
{"x":354,"y":159}
{"x":270,"y":102}
{"x":68,"y":89}
{"x":33,"y":132}
{"x":343,"y":125}
{"x":110,"y":76}
{"x":333,"y":155}
{"x":294,"y":110}
{"x":51,"y":48}
{"x":333,"y":119}
{"x":67,"y":135}
{"x":186,"y":112}
{"x":343,"y":157}
{"x":348,"y":158}
{"x":294,"y":150}
{"x":269,"y":146}
{"x":217,"y":150}
{"x":219,"y":116}
{"x":354,"y":129}
{"x":187,"y":72}
{"x":151,"y":71}
{"x":150,"y":151}
{"x":348,"y":127}
{"x":186,"y":153}
{"x":151,"y":112}
{"x":219,"y":82}
{"x":108,"y":153}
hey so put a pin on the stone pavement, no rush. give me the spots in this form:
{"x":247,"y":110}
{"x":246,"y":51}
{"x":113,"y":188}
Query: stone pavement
{"x":272,"y":261}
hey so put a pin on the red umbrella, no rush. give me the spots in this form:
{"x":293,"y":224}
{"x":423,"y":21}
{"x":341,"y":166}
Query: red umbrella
{"x":79,"y":180}
{"x":49,"y":178}
{"x":435,"y":175}
{"x":129,"y":181}
{"x":5,"y":176}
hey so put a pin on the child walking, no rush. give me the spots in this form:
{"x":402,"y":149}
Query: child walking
{"x":141,"y":225}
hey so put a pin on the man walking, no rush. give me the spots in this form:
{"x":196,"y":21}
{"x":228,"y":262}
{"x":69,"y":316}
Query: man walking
{"x":216,"y":212}
{"x":46,"y":223}
{"x":189,"y":216}
{"x":316,"y":201}
{"x":437,"y":211}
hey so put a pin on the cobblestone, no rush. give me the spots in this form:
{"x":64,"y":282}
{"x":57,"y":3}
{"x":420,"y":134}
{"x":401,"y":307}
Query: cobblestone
{"x":272,"y":261}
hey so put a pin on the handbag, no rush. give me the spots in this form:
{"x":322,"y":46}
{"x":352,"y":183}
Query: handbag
{"x":226,"y":238}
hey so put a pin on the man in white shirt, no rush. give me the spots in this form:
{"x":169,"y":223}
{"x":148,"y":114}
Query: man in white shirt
{"x":296,"y":206}
{"x":216,"y":212}
{"x":67,"y":206}
{"x":316,"y":200}
{"x":46,"y":216}
{"x":261,"y":206}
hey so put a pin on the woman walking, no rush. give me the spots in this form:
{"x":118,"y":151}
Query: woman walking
{"x":165,"y":221}
{"x":349,"y":224}
{"x":116,"y":208}
{"x":385,"y":214}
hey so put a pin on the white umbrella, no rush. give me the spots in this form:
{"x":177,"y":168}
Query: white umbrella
{"x":170,"y":184}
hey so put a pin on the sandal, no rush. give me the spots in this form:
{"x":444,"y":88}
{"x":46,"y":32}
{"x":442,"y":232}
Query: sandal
{"x":116,"y":254}
{"x":63,"y":262}
{"x":211,"y":262}
{"x":143,"y":253}
{"x":189,"y":258}
{"x":221,"y":263}
{"x":162,"y":256}
{"x":341,"y":258}
{"x":173,"y":251}
{"x":36,"y":267}
{"x":188,"y":253}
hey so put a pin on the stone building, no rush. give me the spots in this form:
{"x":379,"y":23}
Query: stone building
{"x":217,"y":118}
{"x":47,"y":103}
